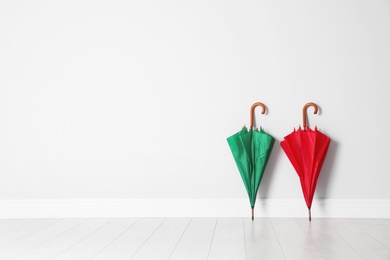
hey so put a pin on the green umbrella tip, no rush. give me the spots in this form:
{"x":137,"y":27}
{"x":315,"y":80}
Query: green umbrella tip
{"x":253,"y":213}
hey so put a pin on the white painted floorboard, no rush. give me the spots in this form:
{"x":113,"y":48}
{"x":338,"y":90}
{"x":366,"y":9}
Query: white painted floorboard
{"x":27,"y":243}
{"x":261,"y":241}
{"x":162,"y":243}
{"x":9,"y":224}
{"x":376,"y":229}
{"x":128,"y":243}
{"x":93,"y":244}
{"x":22,"y":231}
{"x":229,"y":240}
{"x":324,"y":242}
{"x":65,"y":241}
{"x":196,"y":241}
{"x":292,"y":239}
{"x":196,"y":238}
{"x":364,"y":244}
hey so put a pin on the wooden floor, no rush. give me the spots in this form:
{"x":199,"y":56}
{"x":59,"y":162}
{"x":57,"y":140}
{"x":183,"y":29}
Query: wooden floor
{"x":196,"y":238}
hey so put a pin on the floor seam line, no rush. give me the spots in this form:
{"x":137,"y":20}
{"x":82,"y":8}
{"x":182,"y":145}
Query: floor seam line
{"x":212,"y":238}
{"x":344,"y":240}
{"x":129,"y":227}
{"x":82,"y":239}
{"x":135,"y":253}
{"x":47,"y":241}
{"x":277,"y":239}
{"x":182,"y":234}
{"x":369,"y":234}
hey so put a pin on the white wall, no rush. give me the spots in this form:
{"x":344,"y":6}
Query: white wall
{"x":134,"y":100}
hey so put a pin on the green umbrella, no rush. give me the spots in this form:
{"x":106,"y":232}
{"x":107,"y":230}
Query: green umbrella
{"x":251,"y":150}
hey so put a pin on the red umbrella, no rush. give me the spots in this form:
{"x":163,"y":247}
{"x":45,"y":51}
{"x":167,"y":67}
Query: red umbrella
{"x":306,"y":149}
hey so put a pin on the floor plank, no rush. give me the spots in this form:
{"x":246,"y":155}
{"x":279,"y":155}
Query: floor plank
{"x":27,"y":243}
{"x":384,"y":221}
{"x":377,"y":230}
{"x":261,"y":241}
{"x":197,"y":238}
{"x":229,"y":240}
{"x":324,"y":242}
{"x":195,"y":242}
{"x":94,"y":243}
{"x":24,"y":230}
{"x":162,"y":242}
{"x":66,"y":240}
{"x":366,"y":246}
{"x":130,"y":241}
{"x":9,"y":224}
{"x":292,"y":239}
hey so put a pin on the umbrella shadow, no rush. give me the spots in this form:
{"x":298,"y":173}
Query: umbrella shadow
{"x":269,"y":171}
{"x":326,"y":176}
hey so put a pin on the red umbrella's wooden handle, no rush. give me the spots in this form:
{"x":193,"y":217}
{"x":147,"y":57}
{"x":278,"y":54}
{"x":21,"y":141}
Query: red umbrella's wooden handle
{"x":252,"y":115}
{"x":304,"y":113}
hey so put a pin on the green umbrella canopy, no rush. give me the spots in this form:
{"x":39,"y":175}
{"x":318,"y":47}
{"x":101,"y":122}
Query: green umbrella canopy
{"x":251,"y":150}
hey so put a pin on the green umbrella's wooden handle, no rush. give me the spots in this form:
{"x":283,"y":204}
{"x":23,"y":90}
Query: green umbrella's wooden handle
{"x":252,"y":115}
{"x":304,"y":113}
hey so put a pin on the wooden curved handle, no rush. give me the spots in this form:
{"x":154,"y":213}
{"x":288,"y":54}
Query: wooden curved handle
{"x":252,"y":115}
{"x":304,"y":113}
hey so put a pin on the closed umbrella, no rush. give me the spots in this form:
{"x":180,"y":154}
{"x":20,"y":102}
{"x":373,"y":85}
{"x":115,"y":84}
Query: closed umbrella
{"x":251,"y":150}
{"x":306,"y":149}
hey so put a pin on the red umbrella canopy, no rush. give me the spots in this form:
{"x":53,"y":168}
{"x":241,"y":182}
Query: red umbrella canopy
{"x":306,"y":149}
